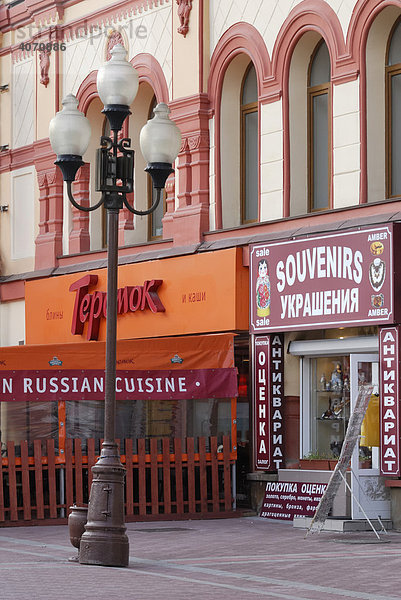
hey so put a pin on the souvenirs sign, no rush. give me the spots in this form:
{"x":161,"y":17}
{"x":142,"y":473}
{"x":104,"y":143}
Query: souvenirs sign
{"x":318,"y":281}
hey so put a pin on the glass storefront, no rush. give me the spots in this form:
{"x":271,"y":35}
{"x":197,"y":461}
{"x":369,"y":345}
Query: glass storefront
{"x":137,"y":419}
{"x":329,"y":405}
{"x":134,"y":419}
{"x":28,"y":421}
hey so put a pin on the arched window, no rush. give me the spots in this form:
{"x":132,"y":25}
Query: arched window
{"x":155,"y":218}
{"x":319,"y":128}
{"x":249,"y":147}
{"x":393,"y":117}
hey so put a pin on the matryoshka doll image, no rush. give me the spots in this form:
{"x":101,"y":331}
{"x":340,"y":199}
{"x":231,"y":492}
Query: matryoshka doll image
{"x":263,"y":290}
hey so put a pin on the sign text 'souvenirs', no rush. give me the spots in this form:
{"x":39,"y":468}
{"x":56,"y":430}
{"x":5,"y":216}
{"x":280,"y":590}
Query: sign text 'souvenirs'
{"x":92,"y":307}
{"x":309,"y":282}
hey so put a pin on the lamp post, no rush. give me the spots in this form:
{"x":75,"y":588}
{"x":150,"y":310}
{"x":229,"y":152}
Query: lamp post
{"x":105,"y":541}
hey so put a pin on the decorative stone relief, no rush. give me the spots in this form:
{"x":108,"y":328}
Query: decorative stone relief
{"x":374,"y":489}
{"x":113,"y":38}
{"x":44,"y":62}
{"x":184,"y":9}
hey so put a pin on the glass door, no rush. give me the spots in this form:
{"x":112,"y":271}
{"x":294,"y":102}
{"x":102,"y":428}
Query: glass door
{"x":368,"y":486}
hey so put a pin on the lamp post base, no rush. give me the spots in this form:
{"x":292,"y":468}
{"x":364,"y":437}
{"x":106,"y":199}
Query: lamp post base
{"x":105,"y":542}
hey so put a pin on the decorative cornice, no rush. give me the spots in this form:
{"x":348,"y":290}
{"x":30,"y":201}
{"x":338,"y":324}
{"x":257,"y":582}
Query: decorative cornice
{"x":198,"y":141}
{"x":41,"y":12}
{"x":50,"y":12}
{"x":39,"y":153}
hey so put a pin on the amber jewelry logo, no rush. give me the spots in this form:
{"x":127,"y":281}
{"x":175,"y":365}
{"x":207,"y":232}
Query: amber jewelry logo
{"x":55,"y":362}
{"x":377,"y":274}
{"x":377,"y":300}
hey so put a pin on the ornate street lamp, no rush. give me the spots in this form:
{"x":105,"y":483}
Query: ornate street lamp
{"x":105,"y":541}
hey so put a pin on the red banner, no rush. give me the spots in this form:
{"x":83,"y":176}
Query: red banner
{"x":314,"y":282}
{"x":389,"y":402}
{"x":88,"y":384}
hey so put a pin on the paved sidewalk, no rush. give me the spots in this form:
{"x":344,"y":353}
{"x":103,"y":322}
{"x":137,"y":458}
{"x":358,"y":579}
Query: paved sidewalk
{"x":236,"y":559}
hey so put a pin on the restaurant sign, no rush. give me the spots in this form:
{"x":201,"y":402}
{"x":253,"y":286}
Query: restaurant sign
{"x":321,"y":281}
{"x":89,"y":384}
{"x":92,"y":307}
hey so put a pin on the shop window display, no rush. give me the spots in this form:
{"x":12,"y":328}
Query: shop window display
{"x":329,"y":406}
{"x":137,"y":419}
{"x":28,"y":421}
{"x":134,"y":419}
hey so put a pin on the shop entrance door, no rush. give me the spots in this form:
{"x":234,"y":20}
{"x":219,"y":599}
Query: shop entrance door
{"x":368,"y":486}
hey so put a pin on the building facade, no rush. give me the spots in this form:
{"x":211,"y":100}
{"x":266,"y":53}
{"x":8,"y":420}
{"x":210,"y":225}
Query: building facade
{"x":278,"y":227}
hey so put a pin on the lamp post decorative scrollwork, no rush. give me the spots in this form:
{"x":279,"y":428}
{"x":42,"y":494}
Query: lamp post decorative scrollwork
{"x":105,"y":541}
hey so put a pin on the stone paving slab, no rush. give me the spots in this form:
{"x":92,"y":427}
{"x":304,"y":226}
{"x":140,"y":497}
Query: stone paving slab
{"x":236,"y":559}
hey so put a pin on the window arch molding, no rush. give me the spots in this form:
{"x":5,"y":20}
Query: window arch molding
{"x":368,"y":31}
{"x":249,"y":147}
{"x":296,"y":114}
{"x":374,"y":39}
{"x":87,"y":92}
{"x":237,"y":127}
{"x":150,"y":71}
{"x":240,"y":40}
{"x":319,"y":129}
{"x":393,"y":101}
{"x":300,"y":32}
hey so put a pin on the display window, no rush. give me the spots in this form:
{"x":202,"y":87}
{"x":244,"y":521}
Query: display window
{"x":20,"y":421}
{"x":329,"y":405}
{"x":136,"y":419}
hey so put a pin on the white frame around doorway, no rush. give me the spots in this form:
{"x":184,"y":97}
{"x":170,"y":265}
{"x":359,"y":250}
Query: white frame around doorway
{"x":367,"y":485}
{"x":308,"y":349}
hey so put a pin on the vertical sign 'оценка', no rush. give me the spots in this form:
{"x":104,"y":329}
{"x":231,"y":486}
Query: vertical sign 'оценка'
{"x":268,"y":393}
{"x":261,"y":389}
